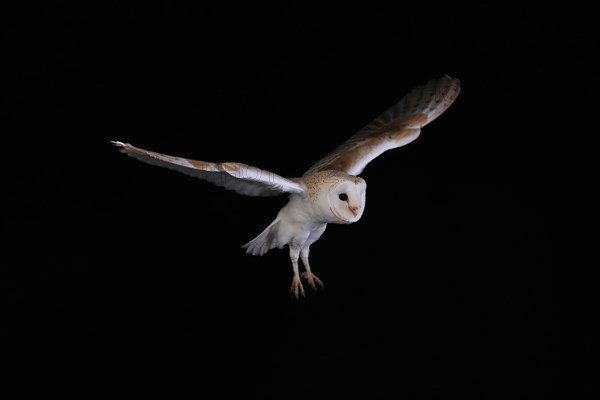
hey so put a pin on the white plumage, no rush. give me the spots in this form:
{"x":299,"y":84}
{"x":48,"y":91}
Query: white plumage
{"x":330,"y":191}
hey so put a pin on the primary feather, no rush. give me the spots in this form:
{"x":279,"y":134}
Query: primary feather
{"x":241,"y":178}
{"x":398,"y":126}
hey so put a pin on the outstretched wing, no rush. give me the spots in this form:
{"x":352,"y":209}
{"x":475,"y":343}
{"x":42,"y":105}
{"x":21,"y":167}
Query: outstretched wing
{"x":396,"y":127}
{"x":241,"y":178}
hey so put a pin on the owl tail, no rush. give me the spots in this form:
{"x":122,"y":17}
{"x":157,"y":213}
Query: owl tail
{"x":265,"y":241}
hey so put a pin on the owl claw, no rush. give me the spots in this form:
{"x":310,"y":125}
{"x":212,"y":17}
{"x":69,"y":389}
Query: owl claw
{"x":297,"y":288}
{"x":312,"y":279}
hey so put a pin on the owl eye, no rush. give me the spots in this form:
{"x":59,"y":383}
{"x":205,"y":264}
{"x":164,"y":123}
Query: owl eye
{"x":343,"y":196}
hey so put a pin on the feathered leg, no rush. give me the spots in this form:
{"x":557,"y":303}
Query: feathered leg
{"x":296,"y":288}
{"x":312,"y":279}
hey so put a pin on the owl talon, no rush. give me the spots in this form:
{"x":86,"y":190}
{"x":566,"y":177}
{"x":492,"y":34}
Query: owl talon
{"x":297,"y":288}
{"x":312,"y":279}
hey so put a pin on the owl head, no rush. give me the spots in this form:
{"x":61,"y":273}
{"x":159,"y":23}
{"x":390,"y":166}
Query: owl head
{"x":340,"y":197}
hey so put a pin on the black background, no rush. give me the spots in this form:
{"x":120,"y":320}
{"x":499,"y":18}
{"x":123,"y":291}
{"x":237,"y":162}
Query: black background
{"x":122,"y":277}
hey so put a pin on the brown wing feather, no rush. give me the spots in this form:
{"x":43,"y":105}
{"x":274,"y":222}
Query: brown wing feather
{"x":241,"y":178}
{"x":398,"y":126}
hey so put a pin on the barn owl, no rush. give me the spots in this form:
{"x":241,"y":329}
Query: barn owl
{"x":330,"y":192}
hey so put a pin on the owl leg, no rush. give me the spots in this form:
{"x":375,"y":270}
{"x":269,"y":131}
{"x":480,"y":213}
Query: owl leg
{"x":296,"y":288}
{"x":312,"y":279}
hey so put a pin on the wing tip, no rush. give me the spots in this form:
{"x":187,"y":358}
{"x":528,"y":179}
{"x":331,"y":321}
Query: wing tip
{"x":124,"y":148}
{"x":452,"y":79}
{"x":117,"y":143}
{"x":449,"y":80}
{"x":448,"y":76}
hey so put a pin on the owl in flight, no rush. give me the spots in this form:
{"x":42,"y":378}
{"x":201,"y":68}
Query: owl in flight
{"x":330,"y":192}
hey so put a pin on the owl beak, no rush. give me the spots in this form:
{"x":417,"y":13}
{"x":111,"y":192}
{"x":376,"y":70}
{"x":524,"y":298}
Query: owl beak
{"x":353,"y":210}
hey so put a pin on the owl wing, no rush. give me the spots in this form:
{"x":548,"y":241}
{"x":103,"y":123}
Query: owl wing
{"x":396,"y":127}
{"x":241,"y":178}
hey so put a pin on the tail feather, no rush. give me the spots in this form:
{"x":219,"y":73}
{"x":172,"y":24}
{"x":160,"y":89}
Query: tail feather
{"x":265,"y":241}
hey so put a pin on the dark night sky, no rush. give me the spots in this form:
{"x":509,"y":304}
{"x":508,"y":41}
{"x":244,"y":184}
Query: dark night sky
{"x":117,"y":272}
